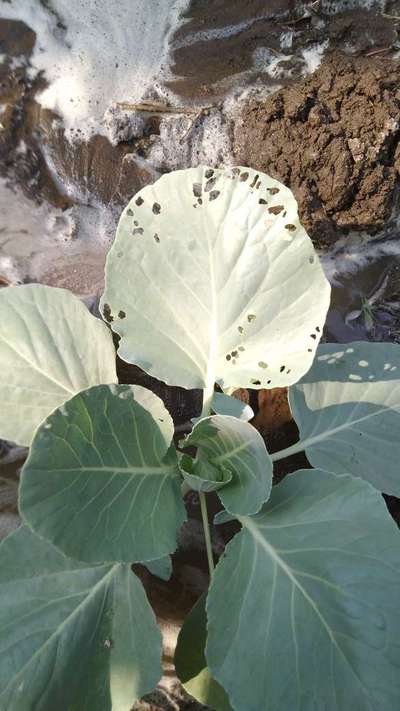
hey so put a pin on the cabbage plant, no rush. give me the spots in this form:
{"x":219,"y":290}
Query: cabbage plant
{"x":211,"y":283}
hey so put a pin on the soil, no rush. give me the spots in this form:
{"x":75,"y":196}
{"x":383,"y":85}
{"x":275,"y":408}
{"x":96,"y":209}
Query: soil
{"x":334,"y":139}
{"x":208,"y":63}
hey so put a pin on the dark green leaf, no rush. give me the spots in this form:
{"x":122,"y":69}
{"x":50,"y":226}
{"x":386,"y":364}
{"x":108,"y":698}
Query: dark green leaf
{"x":102,"y":481}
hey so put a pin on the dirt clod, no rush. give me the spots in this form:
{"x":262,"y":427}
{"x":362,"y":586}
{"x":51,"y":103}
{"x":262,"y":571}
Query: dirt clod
{"x":334,"y":139}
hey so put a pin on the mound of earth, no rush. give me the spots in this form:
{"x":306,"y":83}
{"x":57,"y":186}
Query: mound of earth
{"x":334,"y":139}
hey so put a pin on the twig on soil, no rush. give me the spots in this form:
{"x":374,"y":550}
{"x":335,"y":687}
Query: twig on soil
{"x":378,"y":51}
{"x":155,"y":107}
{"x":396,"y":18}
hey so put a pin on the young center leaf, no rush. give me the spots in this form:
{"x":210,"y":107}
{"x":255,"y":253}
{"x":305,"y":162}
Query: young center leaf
{"x":232,"y":454}
{"x":102,"y":480}
{"x":348,"y":412}
{"x":226,"y":285}
{"x":303,"y":608}
{"x":51,"y":347}
{"x":72,"y":632}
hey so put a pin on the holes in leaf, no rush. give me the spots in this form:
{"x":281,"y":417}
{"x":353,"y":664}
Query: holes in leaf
{"x":241,"y":348}
{"x":273,"y":191}
{"x":253,"y":183}
{"x":317,"y":328}
{"x":210,"y":184}
{"x":275,"y":209}
{"x":135,"y":222}
{"x":197,"y":189}
{"x":129,"y":213}
{"x":139,"y":201}
{"x":254,"y":381}
{"x":156,"y":237}
{"x":262,"y":202}
{"x":209,"y":173}
{"x":138,"y":231}
{"x":262,"y":364}
{"x":234,"y":354}
{"x":156,"y":208}
{"x":240,"y":329}
{"x":107,"y":313}
{"x":251,"y":317}
{"x":290,"y":227}
{"x":311,"y":260}
{"x":244,"y":177}
{"x":228,"y":357}
{"x":121,"y":314}
{"x":214,"y":194}
{"x":312,"y":335}
{"x":282,"y":368}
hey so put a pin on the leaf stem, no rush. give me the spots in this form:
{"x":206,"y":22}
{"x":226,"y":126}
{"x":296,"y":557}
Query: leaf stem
{"x":208,"y":394}
{"x":293,"y":449}
{"x":207,"y":535}
{"x":185,"y":488}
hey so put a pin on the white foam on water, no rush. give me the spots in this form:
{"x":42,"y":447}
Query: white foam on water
{"x":334,"y":7}
{"x":356,"y":251}
{"x":185,"y":143}
{"x":95,"y":53}
{"x":39,"y":242}
{"x":312,"y":56}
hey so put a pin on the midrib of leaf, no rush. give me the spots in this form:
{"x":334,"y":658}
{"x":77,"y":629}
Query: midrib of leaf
{"x":231,"y":453}
{"x":115,"y":470}
{"x":36,"y":367}
{"x":58,"y":631}
{"x":326,"y":434}
{"x":272,"y":552}
{"x":213,"y":329}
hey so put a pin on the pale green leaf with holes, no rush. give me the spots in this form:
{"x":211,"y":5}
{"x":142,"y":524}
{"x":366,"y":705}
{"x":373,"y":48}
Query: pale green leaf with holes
{"x":303,"y":607}
{"x":212,"y":278}
{"x":102,"y":480}
{"x":347,"y":408}
{"x":60,"y":619}
{"x":51,"y":347}
{"x":232,"y":453}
